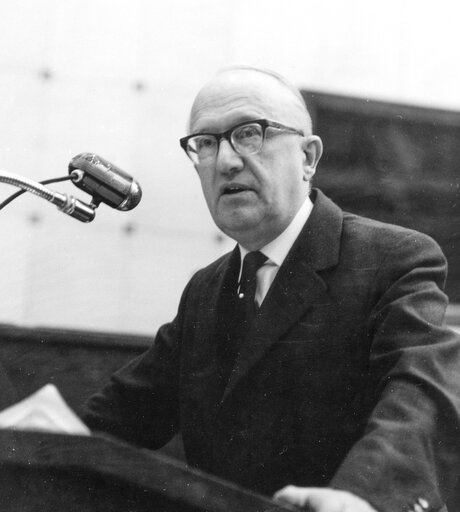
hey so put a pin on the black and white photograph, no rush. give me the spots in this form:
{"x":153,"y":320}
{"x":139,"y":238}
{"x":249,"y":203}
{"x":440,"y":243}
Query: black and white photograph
{"x":231,"y":256}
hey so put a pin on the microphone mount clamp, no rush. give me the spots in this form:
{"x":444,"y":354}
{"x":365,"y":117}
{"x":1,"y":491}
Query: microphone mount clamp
{"x":66,"y":203}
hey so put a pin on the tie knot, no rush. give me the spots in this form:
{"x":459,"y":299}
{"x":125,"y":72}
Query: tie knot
{"x":253,"y":261}
{"x":251,"y":264}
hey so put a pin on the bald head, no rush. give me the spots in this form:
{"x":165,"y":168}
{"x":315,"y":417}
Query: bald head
{"x":253,"y":87}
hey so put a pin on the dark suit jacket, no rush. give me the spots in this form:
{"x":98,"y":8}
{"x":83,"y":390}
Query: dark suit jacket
{"x":347,"y":378}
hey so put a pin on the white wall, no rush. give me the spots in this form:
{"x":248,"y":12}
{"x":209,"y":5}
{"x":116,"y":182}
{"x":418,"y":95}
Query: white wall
{"x":116,"y":77}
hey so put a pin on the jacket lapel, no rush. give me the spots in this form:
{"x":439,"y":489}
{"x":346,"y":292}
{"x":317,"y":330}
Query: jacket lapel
{"x":201,"y":356}
{"x":297,"y":286}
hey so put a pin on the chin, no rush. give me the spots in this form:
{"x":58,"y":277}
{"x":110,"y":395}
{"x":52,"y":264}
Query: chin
{"x":239,"y":231}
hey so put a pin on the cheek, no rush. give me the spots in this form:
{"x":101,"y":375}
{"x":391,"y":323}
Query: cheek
{"x":209,"y":196}
{"x":285,"y":177}
{"x":207,"y":181}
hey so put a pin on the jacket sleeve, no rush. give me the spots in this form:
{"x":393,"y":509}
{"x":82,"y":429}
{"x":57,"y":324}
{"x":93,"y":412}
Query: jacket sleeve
{"x":410,"y":447}
{"x":140,"y":404}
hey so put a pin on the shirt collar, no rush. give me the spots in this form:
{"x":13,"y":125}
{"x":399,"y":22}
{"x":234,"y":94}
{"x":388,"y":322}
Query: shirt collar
{"x":277,"y":250}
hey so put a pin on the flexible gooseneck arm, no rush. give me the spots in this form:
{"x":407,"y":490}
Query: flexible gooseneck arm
{"x":64,"y":202}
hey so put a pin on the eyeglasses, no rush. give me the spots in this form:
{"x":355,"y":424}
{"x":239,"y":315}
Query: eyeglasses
{"x":245,"y":138}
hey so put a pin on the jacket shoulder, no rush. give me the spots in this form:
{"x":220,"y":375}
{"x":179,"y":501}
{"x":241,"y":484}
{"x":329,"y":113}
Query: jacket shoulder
{"x":375,"y":237}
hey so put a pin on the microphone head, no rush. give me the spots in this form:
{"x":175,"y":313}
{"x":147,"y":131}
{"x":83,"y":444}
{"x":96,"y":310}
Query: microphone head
{"x":105,"y":182}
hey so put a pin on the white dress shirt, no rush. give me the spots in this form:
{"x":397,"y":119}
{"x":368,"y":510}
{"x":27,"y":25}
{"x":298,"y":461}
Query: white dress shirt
{"x":277,"y":250}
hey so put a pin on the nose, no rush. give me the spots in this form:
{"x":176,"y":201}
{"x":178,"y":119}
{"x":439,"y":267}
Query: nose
{"x":227,"y":159}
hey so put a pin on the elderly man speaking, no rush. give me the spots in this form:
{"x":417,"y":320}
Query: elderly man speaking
{"x":310,"y":362}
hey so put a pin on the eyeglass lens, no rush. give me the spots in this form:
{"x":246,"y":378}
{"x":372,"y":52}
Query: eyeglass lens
{"x":246,"y":139}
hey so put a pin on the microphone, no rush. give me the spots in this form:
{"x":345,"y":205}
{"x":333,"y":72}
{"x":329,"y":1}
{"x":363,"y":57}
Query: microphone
{"x":105,"y":182}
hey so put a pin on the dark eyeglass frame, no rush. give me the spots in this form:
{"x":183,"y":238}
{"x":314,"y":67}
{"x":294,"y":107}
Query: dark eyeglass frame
{"x":227,"y":135}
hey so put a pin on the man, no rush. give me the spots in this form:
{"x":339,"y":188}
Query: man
{"x":341,"y":391}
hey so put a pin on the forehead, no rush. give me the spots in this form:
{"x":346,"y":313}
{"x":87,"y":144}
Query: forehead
{"x":236,"y":96}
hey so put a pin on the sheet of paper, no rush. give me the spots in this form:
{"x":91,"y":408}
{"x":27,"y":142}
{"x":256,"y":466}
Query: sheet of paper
{"x":45,"y":410}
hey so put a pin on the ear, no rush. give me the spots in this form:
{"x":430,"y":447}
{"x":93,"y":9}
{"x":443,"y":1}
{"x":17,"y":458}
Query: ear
{"x":313,"y":149}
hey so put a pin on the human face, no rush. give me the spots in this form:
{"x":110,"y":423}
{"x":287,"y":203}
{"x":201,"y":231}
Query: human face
{"x":253,"y":198}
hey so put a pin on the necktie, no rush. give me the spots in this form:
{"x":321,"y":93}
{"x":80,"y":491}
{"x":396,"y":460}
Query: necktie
{"x":248,"y":285}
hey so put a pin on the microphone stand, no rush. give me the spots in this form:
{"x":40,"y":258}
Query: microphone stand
{"x":64,"y":202}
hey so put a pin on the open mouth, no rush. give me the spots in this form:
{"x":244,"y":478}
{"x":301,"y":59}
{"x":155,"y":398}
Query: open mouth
{"x":235,"y":189}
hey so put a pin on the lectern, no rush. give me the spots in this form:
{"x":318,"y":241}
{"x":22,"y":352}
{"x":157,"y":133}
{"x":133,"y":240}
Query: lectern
{"x":43,"y":472}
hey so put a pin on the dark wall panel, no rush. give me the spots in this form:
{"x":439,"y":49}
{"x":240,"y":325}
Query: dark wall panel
{"x":393,"y":163}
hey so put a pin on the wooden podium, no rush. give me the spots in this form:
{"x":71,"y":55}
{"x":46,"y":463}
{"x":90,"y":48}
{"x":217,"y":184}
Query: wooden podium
{"x":53,"y":473}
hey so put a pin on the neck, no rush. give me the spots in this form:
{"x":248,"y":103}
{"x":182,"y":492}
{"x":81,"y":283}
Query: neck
{"x":256,"y":239}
